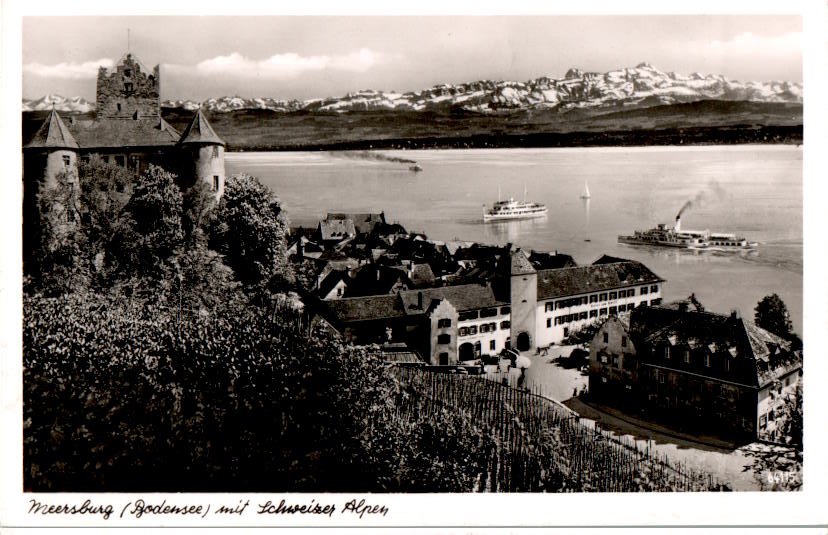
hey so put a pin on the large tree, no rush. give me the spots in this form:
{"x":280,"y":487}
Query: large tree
{"x":772,"y":315}
{"x":250,"y":229}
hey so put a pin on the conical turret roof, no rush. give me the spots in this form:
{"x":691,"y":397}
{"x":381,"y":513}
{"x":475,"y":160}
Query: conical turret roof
{"x":200,"y":131}
{"x":53,"y":134}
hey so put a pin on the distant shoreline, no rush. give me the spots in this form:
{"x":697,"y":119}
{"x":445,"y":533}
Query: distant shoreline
{"x":778,"y":135}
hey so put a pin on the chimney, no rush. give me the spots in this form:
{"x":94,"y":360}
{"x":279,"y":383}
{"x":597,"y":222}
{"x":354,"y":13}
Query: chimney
{"x":734,"y":314}
{"x":420,"y":300}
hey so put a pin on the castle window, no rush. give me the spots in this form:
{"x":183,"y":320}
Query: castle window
{"x":119,"y":106}
{"x":66,"y":161}
{"x":215,"y":151}
{"x":128,"y":87}
{"x":215,"y":182}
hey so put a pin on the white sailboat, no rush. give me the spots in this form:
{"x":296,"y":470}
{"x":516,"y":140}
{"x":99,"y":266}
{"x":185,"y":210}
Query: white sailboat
{"x":585,"y":194}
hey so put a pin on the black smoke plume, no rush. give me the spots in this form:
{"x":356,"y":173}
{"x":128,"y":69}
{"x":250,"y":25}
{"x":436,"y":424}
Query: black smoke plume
{"x":376,"y":156}
{"x":713,"y":189}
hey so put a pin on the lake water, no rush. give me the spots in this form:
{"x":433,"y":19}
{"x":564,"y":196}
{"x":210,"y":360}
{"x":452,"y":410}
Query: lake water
{"x":751,"y":190}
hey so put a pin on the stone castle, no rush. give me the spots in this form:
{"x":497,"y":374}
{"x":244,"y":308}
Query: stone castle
{"x":128,"y":130}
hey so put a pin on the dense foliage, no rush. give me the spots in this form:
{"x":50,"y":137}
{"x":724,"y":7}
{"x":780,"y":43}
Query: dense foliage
{"x":772,"y":315}
{"x":249,"y":229}
{"x":153,"y":362}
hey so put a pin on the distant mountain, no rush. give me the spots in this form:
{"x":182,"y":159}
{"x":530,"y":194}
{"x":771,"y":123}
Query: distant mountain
{"x":641,"y":86}
{"x":75,"y":104}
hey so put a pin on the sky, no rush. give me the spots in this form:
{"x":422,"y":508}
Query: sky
{"x":303,"y":57}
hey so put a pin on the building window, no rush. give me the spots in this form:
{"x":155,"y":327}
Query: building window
{"x":339,"y":291}
{"x":593,"y":298}
{"x":686,"y":356}
{"x":613,"y":311}
{"x":505,"y":310}
{"x":667,"y":352}
{"x":654,"y":288}
{"x":443,"y":359}
{"x":623,"y":341}
{"x":602,"y":312}
{"x":615,"y":361}
{"x":763,"y":421}
{"x":727,"y":365}
{"x":602,"y":358}
{"x":462,"y":331}
{"x":470,"y":315}
{"x":655,"y":302}
{"x":477,"y":348}
{"x":504,"y":324}
{"x":602,"y":297}
{"x":128,"y":87}
{"x":472,"y":330}
{"x":127,"y":72}
{"x":119,"y":106}
{"x":215,"y":151}
{"x":444,"y":339}
{"x":215,"y":182}
{"x":662,"y":377}
{"x":566,"y":332}
{"x":613,"y":295}
{"x":644,"y":290}
{"x":120,"y":160}
{"x":491,"y":345}
{"x":593,"y":313}
{"x":488,"y":312}
{"x":582,"y":316}
{"x":707,"y":361}
{"x":66,"y":161}
{"x":548,"y":322}
{"x":443,"y":323}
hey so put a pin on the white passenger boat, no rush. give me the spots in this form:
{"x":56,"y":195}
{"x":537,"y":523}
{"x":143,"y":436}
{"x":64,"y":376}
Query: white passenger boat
{"x":512,"y":209}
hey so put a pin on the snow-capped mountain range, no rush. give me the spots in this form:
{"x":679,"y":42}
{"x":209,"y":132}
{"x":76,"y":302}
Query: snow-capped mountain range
{"x":643,"y":85}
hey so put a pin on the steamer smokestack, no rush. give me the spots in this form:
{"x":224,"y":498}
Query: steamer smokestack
{"x":678,"y":223}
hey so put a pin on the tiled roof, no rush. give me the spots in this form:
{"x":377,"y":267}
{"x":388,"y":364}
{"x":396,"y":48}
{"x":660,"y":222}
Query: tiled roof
{"x":373,"y":307}
{"x":463,"y":297}
{"x":53,"y":134}
{"x":331,"y":280}
{"x":336,"y":229}
{"x":113,"y":133}
{"x":364,"y":223}
{"x":607,"y":259}
{"x":585,"y":279}
{"x":520,"y":264}
{"x":200,"y":131}
{"x":769,"y":355}
{"x":551,"y":260}
{"x":377,"y":280}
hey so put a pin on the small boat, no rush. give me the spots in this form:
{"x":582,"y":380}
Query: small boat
{"x":512,"y":209}
{"x":585,"y":194}
{"x":416,"y":168}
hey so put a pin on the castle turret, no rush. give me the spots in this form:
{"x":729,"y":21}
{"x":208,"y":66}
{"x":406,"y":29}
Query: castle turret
{"x":52,"y":151}
{"x":523,"y":290}
{"x":127,"y":91}
{"x":206,"y":151}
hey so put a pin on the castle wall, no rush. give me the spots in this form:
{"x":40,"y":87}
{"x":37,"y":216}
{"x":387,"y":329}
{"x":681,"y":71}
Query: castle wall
{"x":127,"y":90}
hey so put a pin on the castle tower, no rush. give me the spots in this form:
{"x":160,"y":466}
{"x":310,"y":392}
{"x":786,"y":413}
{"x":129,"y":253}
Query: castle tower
{"x":128,"y":92}
{"x":52,"y":150}
{"x":523,"y":291}
{"x":205,"y":150}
